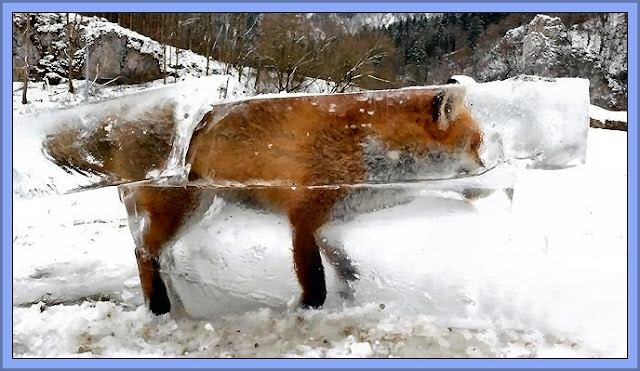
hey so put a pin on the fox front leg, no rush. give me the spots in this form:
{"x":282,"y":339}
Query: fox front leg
{"x":156,"y":215}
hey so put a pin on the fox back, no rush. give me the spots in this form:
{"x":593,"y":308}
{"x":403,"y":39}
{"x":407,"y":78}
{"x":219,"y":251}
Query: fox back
{"x":372,"y":137}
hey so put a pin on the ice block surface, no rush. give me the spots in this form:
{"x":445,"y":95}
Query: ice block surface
{"x":540,"y":120}
{"x":146,"y":136}
{"x":83,"y":140}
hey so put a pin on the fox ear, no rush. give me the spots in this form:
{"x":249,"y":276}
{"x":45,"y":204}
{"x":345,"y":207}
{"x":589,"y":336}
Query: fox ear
{"x":446,"y":105}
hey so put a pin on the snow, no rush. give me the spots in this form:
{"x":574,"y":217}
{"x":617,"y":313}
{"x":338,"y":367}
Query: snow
{"x":558,"y":289}
{"x":462,"y":79}
{"x":604,"y":115}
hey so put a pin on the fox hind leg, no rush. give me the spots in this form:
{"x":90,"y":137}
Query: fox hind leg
{"x":308,"y":266}
{"x":153,"y":287}
{"x":306,"y":218}
{"x":343,"y":266}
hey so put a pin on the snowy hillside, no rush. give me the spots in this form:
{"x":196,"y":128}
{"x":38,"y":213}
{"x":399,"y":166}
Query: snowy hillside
{"x":115,"y":53}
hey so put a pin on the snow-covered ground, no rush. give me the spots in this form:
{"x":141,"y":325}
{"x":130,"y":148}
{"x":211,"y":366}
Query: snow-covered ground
{"x":603,"y":115}
{"x":560,"y":289}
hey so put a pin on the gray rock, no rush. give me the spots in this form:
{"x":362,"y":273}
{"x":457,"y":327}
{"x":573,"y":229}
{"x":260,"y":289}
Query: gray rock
{"x":112,"y":56}
{"x":608,"y":124}
{"x":113,"y":53}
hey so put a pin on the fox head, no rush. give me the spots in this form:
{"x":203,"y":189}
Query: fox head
{"x":433,"y":136}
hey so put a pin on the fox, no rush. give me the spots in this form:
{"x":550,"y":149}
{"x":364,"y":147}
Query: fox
{"x":300,"y":156}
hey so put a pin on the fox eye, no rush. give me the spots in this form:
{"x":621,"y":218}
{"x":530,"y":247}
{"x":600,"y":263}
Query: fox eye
{"x":442,"y":109}
{"x":448,"y":109}
{"x":436,"y":103}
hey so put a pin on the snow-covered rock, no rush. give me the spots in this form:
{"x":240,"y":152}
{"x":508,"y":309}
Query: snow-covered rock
{"x":114,"y":52}
{"x":604,"y":119}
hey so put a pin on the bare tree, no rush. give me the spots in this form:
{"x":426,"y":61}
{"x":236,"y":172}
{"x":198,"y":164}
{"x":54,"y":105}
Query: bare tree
{"x":175,"y":43}
{"x":288,"y":51}
{"x":246,"y":28}
{"x":26,"y":61}
{"x":87,"y":54}
{"x":164,"y":50}
{"x":208,"y":40}
{"x":215,"y":43}
{"x":25,"y":84}
{"x":363,"y":59}
{"x":258,"y":75}
{"x":169,"y":40}
{"x":70,"y":53}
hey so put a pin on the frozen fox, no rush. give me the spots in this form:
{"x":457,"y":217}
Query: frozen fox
{"x":311,"y":149}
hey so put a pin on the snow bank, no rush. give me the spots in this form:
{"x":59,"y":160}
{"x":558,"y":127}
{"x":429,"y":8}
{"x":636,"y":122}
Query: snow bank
{"x":604,"y":115}
{"x":104,"y":329}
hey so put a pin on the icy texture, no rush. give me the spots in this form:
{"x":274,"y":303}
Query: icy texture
{"x":159,"y":120}
{"x":236,"y":257}
{"x":543,"y":121}
{"x":540,"y":120}
{"x":468,"y":265}
{"x":551,"y":134}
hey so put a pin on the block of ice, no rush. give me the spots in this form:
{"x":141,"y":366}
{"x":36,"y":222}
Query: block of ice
{"x":149,"y":130}
{"x":542,"y":121}
{"x":377,"y":137}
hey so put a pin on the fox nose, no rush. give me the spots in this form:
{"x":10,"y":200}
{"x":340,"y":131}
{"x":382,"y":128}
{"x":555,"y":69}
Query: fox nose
{"x":475,"y":166}
{"x":478,"y":160}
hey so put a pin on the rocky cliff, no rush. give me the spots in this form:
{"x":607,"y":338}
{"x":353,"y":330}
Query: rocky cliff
{"x":595,"y":49}
{"x":114,"y":52}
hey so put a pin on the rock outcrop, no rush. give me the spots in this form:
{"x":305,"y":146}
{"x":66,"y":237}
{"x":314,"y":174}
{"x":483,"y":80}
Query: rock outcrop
{"x":114,"y":52}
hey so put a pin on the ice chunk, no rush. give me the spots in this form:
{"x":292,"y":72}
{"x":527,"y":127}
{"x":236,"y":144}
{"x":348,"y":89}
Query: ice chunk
{"x":541,"y":120}
{"x":211,"y":266}
{"x":149,"y":130}
{"x":375,"y":137}
{"x":238,"y":258}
